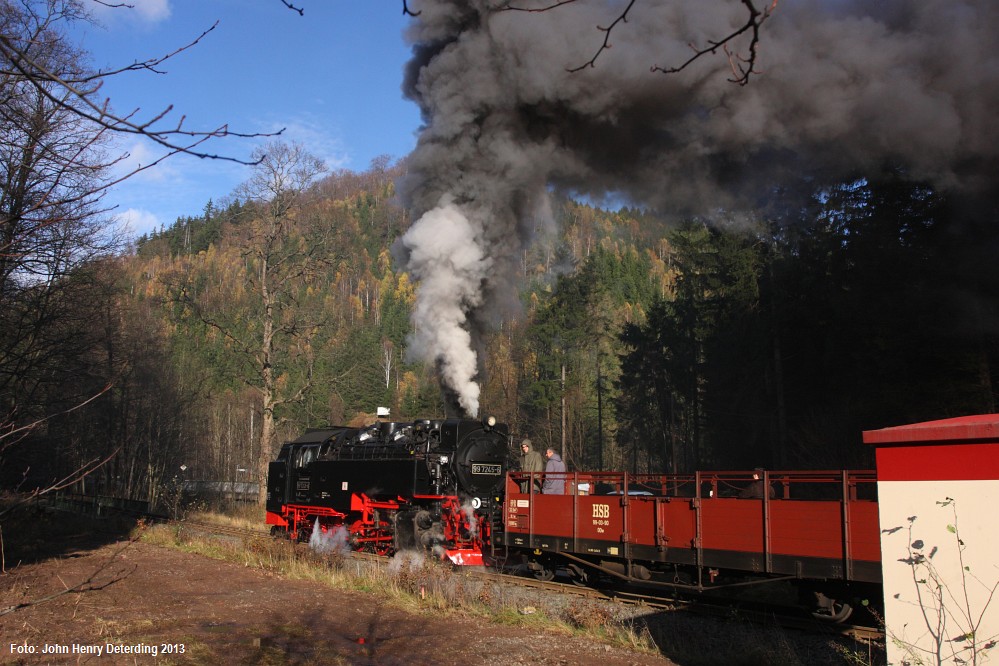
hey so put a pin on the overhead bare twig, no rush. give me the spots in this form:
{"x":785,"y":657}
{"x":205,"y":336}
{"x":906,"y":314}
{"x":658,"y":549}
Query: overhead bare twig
{"x":60,"y":484}
{"x":742,"y":67}
{"x":622,"y":18}
{"x":301,"y":12}
{"x":18,"y":433}
{"x":81,"y":101}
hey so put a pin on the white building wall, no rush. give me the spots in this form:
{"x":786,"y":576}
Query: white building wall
{"x":940,"y":552}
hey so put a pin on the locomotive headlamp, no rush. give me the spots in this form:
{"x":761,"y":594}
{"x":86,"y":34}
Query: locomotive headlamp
{"x":476,"y":503}
{"x":489,"y":422}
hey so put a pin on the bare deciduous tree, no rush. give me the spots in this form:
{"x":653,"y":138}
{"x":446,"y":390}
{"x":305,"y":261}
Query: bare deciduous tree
{"x":55,"y":167}
{"x":53,"y":170}
{"x":387,"y":359}
{"x":281,"y":255}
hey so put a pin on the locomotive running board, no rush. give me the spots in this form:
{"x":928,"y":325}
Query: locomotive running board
{"x":682,"y":586}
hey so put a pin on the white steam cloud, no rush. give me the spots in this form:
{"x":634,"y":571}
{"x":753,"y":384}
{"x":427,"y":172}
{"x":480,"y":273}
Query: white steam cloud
{"x":446,"y":256}
{"x":336,"y":540}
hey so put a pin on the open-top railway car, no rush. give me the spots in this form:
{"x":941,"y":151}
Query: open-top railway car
{"x":393,"y":486}
{"x":819,"y":531}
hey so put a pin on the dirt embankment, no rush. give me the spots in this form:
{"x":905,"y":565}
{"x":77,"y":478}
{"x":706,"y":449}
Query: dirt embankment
{"x":148,"y":604}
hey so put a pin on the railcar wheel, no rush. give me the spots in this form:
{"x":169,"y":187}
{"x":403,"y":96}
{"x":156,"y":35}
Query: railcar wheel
{"x":543,"y":573}
{"x":578,"y":575}
{"x":831,"y":610}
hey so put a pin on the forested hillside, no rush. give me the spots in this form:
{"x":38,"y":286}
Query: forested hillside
{"x":650,"y":346}
{"x":639,"y":344}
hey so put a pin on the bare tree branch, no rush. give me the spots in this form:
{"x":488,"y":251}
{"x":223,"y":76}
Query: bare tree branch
{"x":61,"y":484}
{"x":622,"y":18}
{"x":301,"y":12}
{"x":19,"y":433}
{"x":742,"y":67}
{"x":82,"y":88}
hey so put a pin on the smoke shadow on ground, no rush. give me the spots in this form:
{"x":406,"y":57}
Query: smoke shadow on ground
{"x":33,"y":532}
{"x":375,"y":635}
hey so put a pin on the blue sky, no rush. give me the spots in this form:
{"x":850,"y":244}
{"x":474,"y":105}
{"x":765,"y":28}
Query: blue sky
{"x":332,"y":78}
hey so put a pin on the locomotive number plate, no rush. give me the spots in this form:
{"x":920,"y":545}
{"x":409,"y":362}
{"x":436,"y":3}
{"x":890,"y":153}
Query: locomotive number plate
{"x":483,"y":468}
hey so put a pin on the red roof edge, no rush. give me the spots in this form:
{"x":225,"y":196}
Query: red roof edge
{"x":961,"y":429}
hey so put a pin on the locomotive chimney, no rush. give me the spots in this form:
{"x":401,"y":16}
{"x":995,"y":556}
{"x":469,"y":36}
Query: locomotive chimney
{"x":452,"y":405}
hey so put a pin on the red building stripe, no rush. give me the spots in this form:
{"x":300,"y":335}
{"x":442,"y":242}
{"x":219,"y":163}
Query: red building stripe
{"x":939,"y":462}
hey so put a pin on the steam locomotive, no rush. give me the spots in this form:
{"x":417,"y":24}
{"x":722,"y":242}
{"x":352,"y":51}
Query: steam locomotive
{"x":391,"y":486}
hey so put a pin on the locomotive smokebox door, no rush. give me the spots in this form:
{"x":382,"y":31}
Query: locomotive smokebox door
{"x":480,"y":459}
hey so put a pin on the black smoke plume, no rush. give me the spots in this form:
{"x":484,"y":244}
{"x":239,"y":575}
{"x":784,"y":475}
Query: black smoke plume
{"x":843,"y":87}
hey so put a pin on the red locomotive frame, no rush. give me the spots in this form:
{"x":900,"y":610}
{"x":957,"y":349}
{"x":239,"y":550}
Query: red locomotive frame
{"x":370,"y":525}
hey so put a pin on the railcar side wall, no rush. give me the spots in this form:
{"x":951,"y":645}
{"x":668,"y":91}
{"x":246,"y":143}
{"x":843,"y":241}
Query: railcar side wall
{"x":809,"y":538}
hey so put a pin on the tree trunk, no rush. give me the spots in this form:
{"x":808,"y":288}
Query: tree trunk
{"x":266,"y":436}
{"x":267,"y":385}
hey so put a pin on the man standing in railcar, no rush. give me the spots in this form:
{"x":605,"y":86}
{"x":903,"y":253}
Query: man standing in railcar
{"x":554,"y":474}
{"x":530,"y":461}
{"x":757,"y":489}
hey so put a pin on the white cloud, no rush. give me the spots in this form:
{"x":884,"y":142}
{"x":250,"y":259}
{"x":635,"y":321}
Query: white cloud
{"x":153,"y":11}
{"x":137,"y":221}
{"x":142,"y":154}
{"x":316,"y":135}
{"x":146,"y":12}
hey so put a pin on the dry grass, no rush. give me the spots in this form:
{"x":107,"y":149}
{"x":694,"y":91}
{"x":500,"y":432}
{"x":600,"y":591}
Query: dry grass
{"x":247,"y":517}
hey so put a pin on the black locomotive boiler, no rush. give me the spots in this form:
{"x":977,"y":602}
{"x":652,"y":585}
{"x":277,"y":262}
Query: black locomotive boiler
{"x":394,"y":486}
